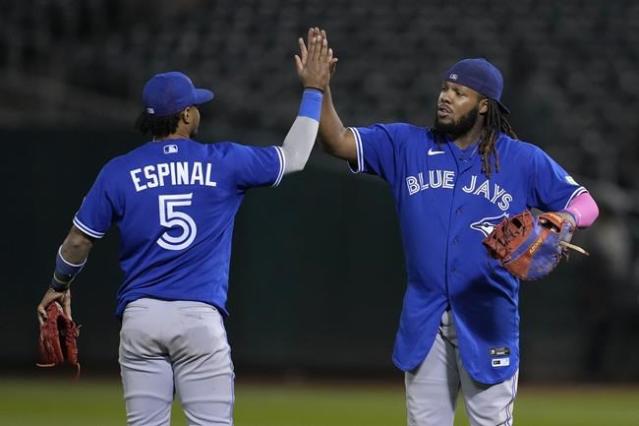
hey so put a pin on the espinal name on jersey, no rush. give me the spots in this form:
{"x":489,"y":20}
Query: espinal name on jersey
{"x":172,"y":173}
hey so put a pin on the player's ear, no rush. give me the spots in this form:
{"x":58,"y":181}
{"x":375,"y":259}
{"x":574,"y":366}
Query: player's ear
{"x":186,"y":115}
{"x":483,"y":106}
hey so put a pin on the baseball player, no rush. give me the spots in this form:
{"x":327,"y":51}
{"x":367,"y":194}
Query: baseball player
{"x":174,"y":201}
{"x":452,"y":183}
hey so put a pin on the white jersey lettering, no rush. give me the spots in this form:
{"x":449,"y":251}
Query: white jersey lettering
{"x":136,"y":180}
{"x":435,"y":178}
{"x":471,"y":187}
{"x":196,"y":175}
{"x":208,"y":181}
{"x":182,"y":172}
{"x":445,"y":179}
{"x":449,"y":179}
{"x":422,"y":185}
{"x":173,"y":173}
{"x":411,"y":182}
{"x":152,"y":179}
{"x":163,"y":171}
{"x":483,"y":189}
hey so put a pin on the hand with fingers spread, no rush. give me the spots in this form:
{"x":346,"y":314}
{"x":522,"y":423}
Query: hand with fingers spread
{"x":314,"y":63}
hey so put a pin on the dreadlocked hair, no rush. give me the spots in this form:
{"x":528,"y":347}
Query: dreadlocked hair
{"x":158,"y":127}
{"x":495,"y":122}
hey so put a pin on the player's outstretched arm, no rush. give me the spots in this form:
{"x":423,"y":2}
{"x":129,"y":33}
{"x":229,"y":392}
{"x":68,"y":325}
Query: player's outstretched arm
{"x":70,"y":260}
{"x":336,"y":139}
{"x":313,"y":69}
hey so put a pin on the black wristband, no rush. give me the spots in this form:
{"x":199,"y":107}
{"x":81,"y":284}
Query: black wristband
{"x":315,"y":88}
{"x":58,"y":285}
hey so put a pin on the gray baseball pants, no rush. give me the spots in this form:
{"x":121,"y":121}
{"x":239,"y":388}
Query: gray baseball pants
{"x":432,"y":389}
{"x":169,"y":347}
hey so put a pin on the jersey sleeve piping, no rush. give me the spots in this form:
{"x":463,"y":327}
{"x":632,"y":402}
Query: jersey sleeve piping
{"x":90,"y":232}
{"x":577,"y":192}
{"x":359,"y":168}
{"x":282,"y":160}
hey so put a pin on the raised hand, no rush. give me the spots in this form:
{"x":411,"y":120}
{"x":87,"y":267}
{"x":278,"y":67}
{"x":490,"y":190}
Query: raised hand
{"x":334,"y":60}
{"x":314,"y":63}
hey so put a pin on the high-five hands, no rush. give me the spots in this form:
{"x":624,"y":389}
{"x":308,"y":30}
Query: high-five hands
{"x":316,"y":63}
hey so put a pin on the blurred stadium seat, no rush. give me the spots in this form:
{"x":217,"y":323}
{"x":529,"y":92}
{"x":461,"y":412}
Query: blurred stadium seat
{"x":573,"y":63}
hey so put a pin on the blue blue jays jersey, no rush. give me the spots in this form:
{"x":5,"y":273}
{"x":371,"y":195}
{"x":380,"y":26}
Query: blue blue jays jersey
{"x":174,"y":202}
{"x":446,"y":207}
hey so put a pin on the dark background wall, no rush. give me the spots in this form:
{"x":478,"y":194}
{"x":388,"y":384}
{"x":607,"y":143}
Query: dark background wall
{"x":317,"y":269}
{"x":317,"y":273}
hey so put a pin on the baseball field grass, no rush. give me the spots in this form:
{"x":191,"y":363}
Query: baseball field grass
{"x":31,"y":402}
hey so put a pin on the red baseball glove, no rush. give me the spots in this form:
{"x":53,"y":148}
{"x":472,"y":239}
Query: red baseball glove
{"x":531,"y":247}
{"x":58,"y":339}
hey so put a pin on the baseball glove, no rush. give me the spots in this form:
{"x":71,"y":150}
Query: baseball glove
{"x":58,"y":339}
{"x":531,"y":247}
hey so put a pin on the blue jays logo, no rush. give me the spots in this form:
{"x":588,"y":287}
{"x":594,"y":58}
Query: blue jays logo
{"x":487,"y":224}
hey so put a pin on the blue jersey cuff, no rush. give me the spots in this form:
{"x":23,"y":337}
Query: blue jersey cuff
{"x":358,"y":167}
{"x":87,"y":230}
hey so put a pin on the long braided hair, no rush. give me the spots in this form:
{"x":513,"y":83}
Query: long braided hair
{"x":495,"y":121}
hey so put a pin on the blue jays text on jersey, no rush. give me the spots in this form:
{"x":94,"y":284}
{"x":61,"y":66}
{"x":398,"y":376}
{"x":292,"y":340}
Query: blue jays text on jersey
{"x":446,"y":207}
{"x":446,"y":179}
{"x":174,"y":202}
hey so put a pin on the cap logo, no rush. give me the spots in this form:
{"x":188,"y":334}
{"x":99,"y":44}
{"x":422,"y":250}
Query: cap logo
{"x":453,"y":77}
{"x":150,"y":111}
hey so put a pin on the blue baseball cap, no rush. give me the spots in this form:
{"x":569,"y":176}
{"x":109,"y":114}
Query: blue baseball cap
{"x":481,"y":76}
{"x":171,"y":92}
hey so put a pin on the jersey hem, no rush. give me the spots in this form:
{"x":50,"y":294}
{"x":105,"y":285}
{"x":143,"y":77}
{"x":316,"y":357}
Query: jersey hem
{"x":120,"y":308}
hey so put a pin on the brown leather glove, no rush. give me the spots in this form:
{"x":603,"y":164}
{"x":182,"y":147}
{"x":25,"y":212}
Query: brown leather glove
{"x":531,"y":247}
{"x":58,"y":339}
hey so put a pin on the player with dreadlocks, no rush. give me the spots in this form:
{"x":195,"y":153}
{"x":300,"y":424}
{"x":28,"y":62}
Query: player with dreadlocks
{"x":452,"y":184}
{"x":495,"y":122}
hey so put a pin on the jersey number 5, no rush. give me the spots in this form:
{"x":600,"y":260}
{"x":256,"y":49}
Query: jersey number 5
{"x":170,"y":218}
